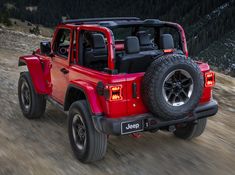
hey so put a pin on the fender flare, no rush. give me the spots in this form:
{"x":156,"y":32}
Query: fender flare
{"x":40,"y":78}
{"x":90,"y":93}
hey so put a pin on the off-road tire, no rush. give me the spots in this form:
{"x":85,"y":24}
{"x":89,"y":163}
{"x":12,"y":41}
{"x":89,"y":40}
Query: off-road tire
{"x":37,"y":102}
{"x":191,"y":130}
{"x":153,"y":81}
{"x":96,"y":142}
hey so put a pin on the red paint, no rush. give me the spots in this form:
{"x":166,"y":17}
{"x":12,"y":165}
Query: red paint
{"x":206,"y":96}
{"x":99,"y":103}
{"x":91,"y":95}
{"x":46,"y":71}
{"x":40,"y":77}
{"x":119,"y":47}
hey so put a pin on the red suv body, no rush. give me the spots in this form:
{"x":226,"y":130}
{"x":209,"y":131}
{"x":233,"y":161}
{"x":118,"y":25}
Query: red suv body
{"x":60,"y":72}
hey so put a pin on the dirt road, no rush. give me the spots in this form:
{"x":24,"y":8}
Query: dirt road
{"x":41,"y":147}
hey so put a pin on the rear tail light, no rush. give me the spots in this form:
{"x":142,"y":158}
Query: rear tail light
{"x":168,"y":50}
{"x":209,"y":79}
{"x":113,"y":92}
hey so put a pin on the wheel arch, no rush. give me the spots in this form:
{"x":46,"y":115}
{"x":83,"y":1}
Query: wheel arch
{"x":83,"y":91}
{"x":39,"y":74}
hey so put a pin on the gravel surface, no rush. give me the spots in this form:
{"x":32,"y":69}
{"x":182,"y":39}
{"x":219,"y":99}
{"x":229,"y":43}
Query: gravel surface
{"x":41,"y":147}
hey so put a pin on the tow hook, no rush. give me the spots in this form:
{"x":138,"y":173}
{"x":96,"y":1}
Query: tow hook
{"x":171,"y":128}
{"x":136,"y":135}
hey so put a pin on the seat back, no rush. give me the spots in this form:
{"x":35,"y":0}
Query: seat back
{"x":145,"y":41}
{"x":132,"y":45}
{"x":132,"y":61}
{"x":166,"y":41}
{"x":96,"y":57}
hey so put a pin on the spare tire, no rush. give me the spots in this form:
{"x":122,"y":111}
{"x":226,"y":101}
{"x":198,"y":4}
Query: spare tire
{"x":172,"y":87}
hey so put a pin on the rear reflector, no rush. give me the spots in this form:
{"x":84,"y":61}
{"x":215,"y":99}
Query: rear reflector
{"x":209,"y":79}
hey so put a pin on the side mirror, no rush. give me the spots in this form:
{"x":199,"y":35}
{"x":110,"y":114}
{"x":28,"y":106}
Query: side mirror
{"x":45,"y":47}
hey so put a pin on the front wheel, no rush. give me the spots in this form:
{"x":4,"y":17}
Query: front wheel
{"x":87,"y":143}
{"x":191,"y":130}
{"x":32,"y":104}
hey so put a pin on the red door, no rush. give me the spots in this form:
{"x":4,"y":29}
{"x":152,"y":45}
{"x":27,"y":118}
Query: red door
{"x":60,"y":64}
{"x":59,"y":78}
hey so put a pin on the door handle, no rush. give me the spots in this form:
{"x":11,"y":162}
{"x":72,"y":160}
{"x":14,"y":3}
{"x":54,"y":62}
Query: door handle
{"x":64,"y":71}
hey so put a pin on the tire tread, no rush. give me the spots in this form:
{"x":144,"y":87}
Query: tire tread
{"x":151,"y":76}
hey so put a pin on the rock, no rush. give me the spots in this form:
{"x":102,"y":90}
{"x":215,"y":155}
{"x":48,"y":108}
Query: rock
{"x":232,"y":70}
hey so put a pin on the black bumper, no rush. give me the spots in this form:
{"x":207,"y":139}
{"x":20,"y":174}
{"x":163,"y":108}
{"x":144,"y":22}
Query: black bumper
{"x":149,"y":122}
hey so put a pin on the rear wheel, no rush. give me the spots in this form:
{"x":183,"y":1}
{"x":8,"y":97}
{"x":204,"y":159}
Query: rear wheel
{"x":87,"y":143}
{"x":32,"y":104}
{"x":191,"y":130}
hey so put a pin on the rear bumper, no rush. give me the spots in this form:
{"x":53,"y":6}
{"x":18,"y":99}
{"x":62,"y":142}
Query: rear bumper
{"x":149,"y":122}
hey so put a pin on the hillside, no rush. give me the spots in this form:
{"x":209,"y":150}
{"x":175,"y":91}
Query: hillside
{"x":207,"y":23}
{"x":204,"y":20}
{"x":221,"y":53}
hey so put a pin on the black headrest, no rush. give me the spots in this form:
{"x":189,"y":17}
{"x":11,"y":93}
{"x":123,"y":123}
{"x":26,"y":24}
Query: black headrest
{"x":98,"y":41}
{"x":144,"y":38}
{"x":132,"y":45}
{"x":166,"y":41}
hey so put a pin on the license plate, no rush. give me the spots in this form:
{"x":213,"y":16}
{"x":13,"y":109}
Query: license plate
{"x":131,"y":127}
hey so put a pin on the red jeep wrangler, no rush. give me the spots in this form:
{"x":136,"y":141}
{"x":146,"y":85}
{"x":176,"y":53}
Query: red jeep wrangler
{"x":118,"y":76}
